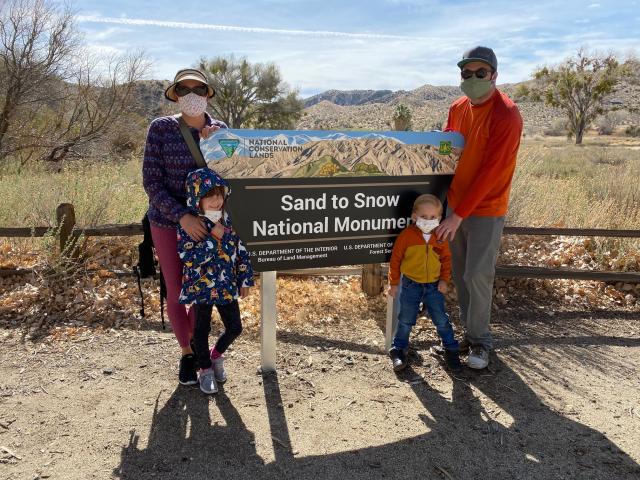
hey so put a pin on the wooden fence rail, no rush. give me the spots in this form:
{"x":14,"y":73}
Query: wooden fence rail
{"x":69,"y":230}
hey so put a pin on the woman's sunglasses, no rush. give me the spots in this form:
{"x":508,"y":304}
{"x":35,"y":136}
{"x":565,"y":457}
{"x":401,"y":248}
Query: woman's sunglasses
{"x":200,"y":90}
{"x":480,"y":73}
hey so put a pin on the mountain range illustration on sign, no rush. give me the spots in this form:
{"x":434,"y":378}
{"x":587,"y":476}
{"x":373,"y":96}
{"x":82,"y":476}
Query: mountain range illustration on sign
{"x":229,"y":146}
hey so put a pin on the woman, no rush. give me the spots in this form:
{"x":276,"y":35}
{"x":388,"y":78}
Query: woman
{"x":167,"y":161}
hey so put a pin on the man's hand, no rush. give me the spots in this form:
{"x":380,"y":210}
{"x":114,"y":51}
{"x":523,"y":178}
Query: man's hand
{"x":208,"y":130}
{"x":443,"y":287}
{"x":244,"y":292}
{"x":218,"y":230}
{"x":194,"y":226}
{"x":392,"y":291}
{"x":448,"y":228}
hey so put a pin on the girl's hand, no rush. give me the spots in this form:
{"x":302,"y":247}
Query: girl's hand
{"x":244,"y":292}
{"x":443,"y":287}
{"x":392,"y":291}
{"x":218,"y":230}
{"x":206,"y":131}
{"x":194,"y":226}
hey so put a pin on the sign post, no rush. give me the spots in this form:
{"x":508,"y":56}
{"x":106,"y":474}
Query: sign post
{"x":268,"y":314}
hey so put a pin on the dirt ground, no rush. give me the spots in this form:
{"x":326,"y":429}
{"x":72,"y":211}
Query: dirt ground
{"x":559,"y":400}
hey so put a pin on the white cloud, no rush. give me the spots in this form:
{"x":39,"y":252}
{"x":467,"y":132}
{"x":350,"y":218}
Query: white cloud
{"x":233,"y":28}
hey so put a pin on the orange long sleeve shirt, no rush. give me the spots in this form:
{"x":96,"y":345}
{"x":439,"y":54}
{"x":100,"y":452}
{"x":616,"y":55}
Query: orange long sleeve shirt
{"x":492,"y":130}
{"x":422,"y":262}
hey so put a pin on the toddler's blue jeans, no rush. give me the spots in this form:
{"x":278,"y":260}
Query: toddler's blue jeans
{"x":411,"y":295}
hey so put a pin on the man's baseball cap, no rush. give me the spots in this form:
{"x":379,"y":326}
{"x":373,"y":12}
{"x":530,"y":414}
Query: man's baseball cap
{"x":479,"y":54}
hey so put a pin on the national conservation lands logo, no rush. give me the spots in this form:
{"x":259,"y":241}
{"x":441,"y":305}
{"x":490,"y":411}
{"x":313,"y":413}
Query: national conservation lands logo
{"x":229,"y":146}
{"x":445,"y":148}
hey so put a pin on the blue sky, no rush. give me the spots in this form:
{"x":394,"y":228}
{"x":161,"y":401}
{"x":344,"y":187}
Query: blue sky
{"x":386,"y":44}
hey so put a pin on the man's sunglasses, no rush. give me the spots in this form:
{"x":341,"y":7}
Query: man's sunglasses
{"x":200,"y":90}
{"x":480,"y":73}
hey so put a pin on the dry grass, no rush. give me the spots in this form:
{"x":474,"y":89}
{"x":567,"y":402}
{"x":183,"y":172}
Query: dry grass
{"x":556,"y":184}
{"x":593,"y":186}
{"x":100,"y":192}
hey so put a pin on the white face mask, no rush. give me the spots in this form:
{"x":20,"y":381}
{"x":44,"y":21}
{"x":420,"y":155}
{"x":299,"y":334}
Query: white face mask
{"x":427,"y":225}
{"x":213,"y":215}
{"x":192,"y":105}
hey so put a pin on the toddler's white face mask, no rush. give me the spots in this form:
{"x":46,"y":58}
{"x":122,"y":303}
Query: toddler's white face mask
{"x":427,"y":225}
{"x":213,"y":215}
{"x":192,"y":104}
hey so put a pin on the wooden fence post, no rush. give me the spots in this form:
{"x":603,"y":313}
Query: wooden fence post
{"x":372,"y":279}
{"x":66,"y":220}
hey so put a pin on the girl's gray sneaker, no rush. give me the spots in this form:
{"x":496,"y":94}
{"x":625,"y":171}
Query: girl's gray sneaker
{"x":207,"y":381}
{"x":218,"y":369}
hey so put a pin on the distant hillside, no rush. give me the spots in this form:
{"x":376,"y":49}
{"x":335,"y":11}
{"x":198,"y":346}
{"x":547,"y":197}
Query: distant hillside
{"x":350,"y":97}
{"x":430,"y":105}
{"x":373,"y":109}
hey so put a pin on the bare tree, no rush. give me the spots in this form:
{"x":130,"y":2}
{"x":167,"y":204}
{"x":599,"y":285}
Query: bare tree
{"x":56,"y":98}
{"x":37,"y":44}
{"x":99,"y":97}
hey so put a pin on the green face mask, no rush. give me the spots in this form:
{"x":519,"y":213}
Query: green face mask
{"x":475,"y":88}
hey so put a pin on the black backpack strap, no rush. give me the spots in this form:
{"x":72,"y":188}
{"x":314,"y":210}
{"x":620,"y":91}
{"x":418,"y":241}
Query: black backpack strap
{"x":137,"y":272}
{"x":191,"y":143}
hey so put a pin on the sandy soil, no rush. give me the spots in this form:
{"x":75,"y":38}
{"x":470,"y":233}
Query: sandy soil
{"x":559,"y":400}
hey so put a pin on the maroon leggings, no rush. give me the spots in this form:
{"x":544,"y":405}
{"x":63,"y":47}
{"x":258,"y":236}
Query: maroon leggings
{"x":165,"y":242}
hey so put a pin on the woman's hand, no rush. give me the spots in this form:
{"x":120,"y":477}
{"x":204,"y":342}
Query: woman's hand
{"x":443,"y":287}
{"x":218,"y":230}
{"x":194,"y":226}
{"x":244,"y":292}
{"x":392,"y":291}
{"x":208,"y":130}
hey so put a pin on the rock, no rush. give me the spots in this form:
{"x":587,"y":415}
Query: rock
{"x":627,"y":287}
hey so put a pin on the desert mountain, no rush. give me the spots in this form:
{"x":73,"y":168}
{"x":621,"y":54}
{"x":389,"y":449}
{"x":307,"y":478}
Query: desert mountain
{"x":351,"y":157}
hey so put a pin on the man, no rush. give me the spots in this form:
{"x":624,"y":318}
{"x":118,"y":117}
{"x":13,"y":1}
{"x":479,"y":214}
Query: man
{"x":479,"y":193}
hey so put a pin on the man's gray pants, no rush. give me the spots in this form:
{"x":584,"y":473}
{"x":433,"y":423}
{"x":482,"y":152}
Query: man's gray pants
{"x":474,"y":252}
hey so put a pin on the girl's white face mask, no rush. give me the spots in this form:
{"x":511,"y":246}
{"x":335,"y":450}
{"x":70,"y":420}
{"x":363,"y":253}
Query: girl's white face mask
{"x":213,"y":215}
{"x":192,"y":105}
{"x":427,"y":225}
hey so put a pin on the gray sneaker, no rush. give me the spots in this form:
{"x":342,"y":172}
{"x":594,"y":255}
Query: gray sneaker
{"x":207,"y":381}
{"x":218,"y":369}
{"x":478,"y":357}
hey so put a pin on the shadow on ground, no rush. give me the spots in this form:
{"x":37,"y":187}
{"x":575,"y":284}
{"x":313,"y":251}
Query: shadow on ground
{"x":464,"y":439}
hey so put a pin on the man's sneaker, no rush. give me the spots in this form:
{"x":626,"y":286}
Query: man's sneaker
{"x":398,"y":359}
{"x":478,"y":357}
{"x":453,"y":360}
{"x":187,"y":374}
{"x":207,"y":380}
{"x":218,"y":369}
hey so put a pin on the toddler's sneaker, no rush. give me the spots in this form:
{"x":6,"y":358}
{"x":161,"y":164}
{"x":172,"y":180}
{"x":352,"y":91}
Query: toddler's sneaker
{"x":452,"y":358}
{"x":207,"y":380}
{"x":478,"y":358}
{"x":218,"y":369}
{"x":464,"y":346}
{"x":398,"y":359}
{"x":187,"y":374}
